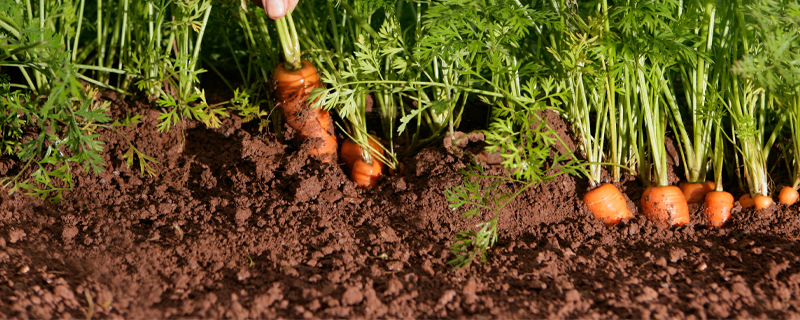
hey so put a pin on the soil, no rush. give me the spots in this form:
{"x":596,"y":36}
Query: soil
{"x":237,"y":224}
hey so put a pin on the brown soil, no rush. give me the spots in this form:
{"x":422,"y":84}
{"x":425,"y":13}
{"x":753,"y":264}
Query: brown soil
{"x":239,"y":225}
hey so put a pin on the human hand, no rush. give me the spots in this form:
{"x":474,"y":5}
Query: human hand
{"x":276,"y":9}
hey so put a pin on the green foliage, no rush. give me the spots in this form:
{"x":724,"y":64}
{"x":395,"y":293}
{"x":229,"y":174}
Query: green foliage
{"x":478,"y":201}
{"x":50,"y":123}
{"x":775,"y":63}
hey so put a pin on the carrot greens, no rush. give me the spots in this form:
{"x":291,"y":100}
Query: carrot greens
{"x":771,"y":70}
{"x":63,"y":113}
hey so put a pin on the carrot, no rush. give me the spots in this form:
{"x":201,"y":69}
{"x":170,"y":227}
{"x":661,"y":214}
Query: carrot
{"x":746,"y":201}
{"x":762,"y":202}
{"x":717,"y":208}
{"x":665,"y":206}
{"x":291,"y":89}
{"x":696,"y":191}
{"x":351,"y":151}
{"x":365,"y":173}
{"x":607,"y":204}
{"x":788,"y":196}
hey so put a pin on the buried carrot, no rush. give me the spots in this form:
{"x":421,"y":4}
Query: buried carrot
{"x":717,"y":208}
{"x":351,"y":151}
{"x":365,"y":170}
{"x":746,"y":201}
{"x":607,"y":204}
{"x":696,"y":191}
{"x":665,"y":206}
{"x":788,"y":196}
{"x":718,"y":203}
{"x":762,"y":202}
{"x":366,"y":175}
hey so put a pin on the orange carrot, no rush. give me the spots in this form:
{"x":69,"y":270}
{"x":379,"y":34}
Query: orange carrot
{"x":762,"y":202}
{"x":665,"y":206}
{"x":717,"y":208}
{"x":291,"y":90}
{"x":788,"y":196}
{"x":351,"y":151}
{"x":365,"y":174}
{"x":746,"y":201}
{"x":696,"y":191}
{"x":607,"y":204}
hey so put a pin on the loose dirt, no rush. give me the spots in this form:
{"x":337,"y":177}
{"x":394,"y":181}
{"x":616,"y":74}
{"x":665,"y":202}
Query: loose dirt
{"x":237,"y":224}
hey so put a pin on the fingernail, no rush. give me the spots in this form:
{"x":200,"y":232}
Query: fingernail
{"x":276,"y":9}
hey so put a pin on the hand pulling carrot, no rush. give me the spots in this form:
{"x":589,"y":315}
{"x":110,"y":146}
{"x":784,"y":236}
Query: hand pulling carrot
{"x":607,"y":204}
{"x":292,"y":83}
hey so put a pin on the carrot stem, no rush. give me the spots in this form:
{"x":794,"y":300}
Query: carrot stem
{"x":287,"y":33}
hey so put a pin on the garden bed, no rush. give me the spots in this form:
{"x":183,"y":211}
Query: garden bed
{"x":237,"y":224}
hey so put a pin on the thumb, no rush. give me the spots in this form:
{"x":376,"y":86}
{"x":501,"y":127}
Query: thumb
{"x":275,"y":9}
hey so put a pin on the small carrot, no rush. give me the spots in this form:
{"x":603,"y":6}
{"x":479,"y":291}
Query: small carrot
{"x":291,"y":89}
{"x":788,"y":196}
{"x":762,"y":202}
{"x":607,"y":204}
{"x":365,"y":173}
{"x":351,"y":151}
{"x":696,"y":191}
{"x":746,"y":201}
{"x":665,"y":206}
{"x":717,"y":208}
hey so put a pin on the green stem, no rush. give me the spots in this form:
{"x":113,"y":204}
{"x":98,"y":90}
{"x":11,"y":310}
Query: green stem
{"x":289,"y":43}
{"x":78,"y":31}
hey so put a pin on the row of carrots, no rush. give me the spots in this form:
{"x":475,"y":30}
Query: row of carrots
{"x":667,"y":206}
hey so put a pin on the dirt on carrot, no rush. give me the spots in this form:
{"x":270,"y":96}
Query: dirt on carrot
{"x":717,"y":208}
{"x":291,"y":89}
{"x":665,"y":206}
{"x":607,"y":204}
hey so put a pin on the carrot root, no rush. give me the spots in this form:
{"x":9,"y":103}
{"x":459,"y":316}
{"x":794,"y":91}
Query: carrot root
{"x":762,"y":202}
{"x":365,"y":174}
{"x":746,"y":201}
{"x":788,"y":196}
{"x":665,"y":206}
{"x":607,"y":203}
{"x":291,"y":89}
{"x":717,"y":208}
{"x":695,"y":192}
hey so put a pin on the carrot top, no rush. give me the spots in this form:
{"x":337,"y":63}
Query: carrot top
{"x":290,"y":44}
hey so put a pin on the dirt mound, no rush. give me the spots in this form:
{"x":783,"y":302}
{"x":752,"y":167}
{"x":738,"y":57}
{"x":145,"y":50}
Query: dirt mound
{"x":239,"y":225}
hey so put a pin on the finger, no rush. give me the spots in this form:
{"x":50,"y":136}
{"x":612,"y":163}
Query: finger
{"x":291,"y":4}
{"x":276,"y":9}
